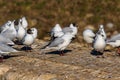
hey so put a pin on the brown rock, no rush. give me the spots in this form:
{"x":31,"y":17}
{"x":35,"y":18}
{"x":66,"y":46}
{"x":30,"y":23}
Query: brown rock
{"x":108,"y":47}
{"x":4,"y":69}
{"x":90,"y":27}
{"x":46,"y":77}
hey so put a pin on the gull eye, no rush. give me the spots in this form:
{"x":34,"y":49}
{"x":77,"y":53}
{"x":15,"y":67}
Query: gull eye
{"x":102,"y":35}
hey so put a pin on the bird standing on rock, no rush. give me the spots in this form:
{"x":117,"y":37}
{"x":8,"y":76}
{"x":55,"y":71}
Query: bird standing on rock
{"x":29,"y":38}
{"x":61,"y":38}
{"x":99,"y":43}
{"x":60,"y":43}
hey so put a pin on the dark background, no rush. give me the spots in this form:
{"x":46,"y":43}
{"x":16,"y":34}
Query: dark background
{"x":44,"y":14}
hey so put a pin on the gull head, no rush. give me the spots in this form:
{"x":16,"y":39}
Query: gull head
{"x":16,"y":22}
{"x":24,"y":22}
{"x":101,"y":26}
{"x":72,"y":25}
{"x":29,"y":31}
{"x":57,"y":28}
{"x":34,"y":31}
{"x":9,"y":23}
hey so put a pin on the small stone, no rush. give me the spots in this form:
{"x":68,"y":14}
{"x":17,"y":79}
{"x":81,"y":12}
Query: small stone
{"x":110,"y":25}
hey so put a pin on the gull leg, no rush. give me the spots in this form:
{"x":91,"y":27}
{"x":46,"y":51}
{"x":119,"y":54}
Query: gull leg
{"x":1,"y":58}
{"x":30,"y":49}
{"x":90,"y":46}
{"x":102,"y":56}
{"x":118,"y":51}
{"x":44,"y":58}
{"x":98,"y":56}
{"x":61,"y":53}
{"x":25,"y":48}
{"x":102,"y":53}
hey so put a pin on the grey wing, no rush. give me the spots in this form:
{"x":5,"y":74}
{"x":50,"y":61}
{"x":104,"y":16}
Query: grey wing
{"x":67,"y":29}
{"x":56,"y":42}
{"x":6,"y":40}
{"x":114,"y":38}
{"x":6,"y":48}
{"x":3,"y":28}
{"x":7,"y":33}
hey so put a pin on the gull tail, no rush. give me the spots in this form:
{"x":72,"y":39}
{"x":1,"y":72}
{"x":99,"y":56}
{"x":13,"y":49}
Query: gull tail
{"x":46,"y":45}
{"x":11,"y":44}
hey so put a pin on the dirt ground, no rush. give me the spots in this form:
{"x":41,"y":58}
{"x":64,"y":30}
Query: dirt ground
{"x":77,"y":64}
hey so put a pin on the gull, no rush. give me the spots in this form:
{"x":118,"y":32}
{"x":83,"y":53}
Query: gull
{"x":34,"y":31}
{"x":24,"y":22}
{"x":88,"y":35}
{"x":20,"y":30}
{"x":114,"y":41}
{"x":71,"y":29}
{"x":59,"y":43}
{"x":10,"y":32}
{"x":99,"y":43}
{"x":101,"y":30}
{"x":56,"y":32}
{"x":29,"y":38}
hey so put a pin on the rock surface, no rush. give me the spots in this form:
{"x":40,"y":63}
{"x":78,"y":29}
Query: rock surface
{"x":77,"y":64}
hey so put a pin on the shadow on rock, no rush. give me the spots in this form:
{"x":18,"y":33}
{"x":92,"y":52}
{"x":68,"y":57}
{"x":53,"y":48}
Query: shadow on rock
{"x":58,"y":52}
{"x":95,"y":53}
{"x":107,"y":50}
{"x":26,"y":48}
{"x":18,"y":42}
{"x":10,"y":56}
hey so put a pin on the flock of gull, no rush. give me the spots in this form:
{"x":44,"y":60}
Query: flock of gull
{"x":99,"y":40}
{"x":15,"y":31}
{"x":18,"y":31}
